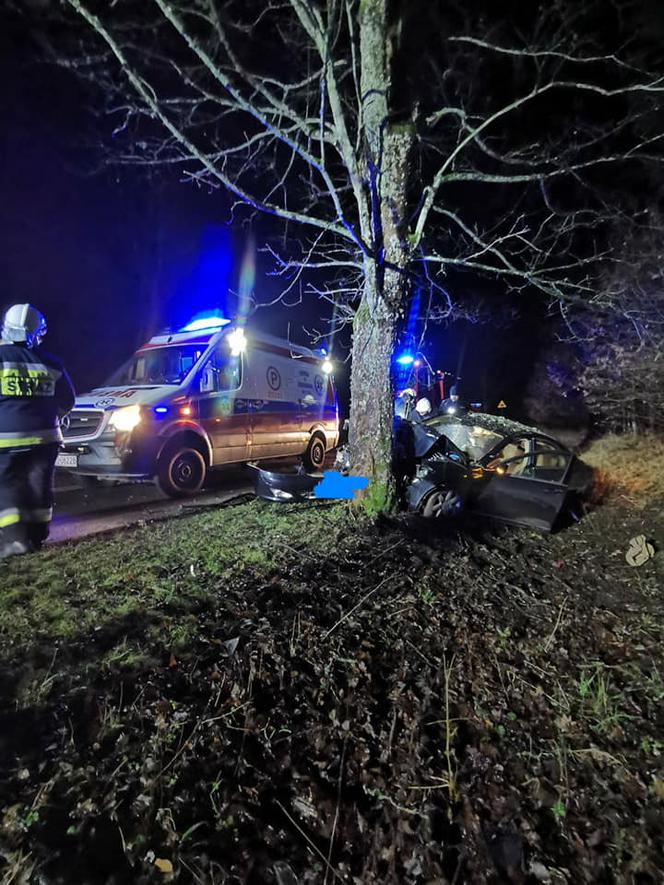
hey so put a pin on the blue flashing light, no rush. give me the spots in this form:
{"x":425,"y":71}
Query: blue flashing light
{"x":161,"y":410}
{"x":406,"y":359}
{"x":204,"y":323}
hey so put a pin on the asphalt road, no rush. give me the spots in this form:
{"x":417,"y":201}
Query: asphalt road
{"x":88,"y":511}
{"x":81,"y":511}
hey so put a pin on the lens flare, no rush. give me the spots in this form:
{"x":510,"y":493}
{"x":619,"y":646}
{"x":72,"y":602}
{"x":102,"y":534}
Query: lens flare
{"x":237,"y":341}
{"x":406,"y":359}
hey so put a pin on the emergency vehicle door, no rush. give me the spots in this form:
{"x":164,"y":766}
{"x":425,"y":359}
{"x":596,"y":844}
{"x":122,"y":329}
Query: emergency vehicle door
{"x":275,"y":426}
{"x":222,"y":410}
{"x":312,"y":390}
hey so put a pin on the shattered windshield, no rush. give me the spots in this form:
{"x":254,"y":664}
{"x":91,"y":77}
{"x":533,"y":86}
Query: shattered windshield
{"x":159,"y":365}
{"x":472,"y":439}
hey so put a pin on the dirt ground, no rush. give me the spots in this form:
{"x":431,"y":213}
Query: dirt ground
{"x":282,"y":694}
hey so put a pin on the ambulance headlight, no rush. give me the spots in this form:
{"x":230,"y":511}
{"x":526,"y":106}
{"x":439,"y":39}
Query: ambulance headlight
{"x":327,"y":366}
{"x":237,"y":341}
{"x":125,"y":419}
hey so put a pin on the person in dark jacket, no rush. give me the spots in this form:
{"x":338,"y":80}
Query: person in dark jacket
{"x":452,"y":405}
{"x":35,"y":393}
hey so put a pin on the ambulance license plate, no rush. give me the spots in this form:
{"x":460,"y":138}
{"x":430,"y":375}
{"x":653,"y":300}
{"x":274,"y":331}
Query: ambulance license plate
{"x":66,"y":461}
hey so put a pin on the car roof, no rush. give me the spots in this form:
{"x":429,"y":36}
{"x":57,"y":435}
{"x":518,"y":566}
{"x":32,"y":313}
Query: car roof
{"x":503,"y":427}
{"x":495,"y":423}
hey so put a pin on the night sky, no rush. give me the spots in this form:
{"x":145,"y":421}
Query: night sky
{"x":110,"y":255}
{"x":113,"y":254}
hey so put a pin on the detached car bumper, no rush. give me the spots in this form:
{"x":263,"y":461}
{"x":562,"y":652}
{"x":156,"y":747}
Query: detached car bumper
{"x":284,"y":488}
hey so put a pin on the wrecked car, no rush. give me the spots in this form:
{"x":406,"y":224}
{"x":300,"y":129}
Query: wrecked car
{"x":490,"y":466}
{"x":483,"y":464}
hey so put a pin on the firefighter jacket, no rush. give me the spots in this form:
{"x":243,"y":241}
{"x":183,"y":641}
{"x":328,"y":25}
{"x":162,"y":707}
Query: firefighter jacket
{"x":35,"y":392}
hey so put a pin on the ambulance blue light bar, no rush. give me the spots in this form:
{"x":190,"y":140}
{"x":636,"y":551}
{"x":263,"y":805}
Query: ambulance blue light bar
{"x":204,"y":323}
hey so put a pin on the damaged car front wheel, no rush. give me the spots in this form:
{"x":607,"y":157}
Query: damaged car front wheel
{"x":442,"y":503}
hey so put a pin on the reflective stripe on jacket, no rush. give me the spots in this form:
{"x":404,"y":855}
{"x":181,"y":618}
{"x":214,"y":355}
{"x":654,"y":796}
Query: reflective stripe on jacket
{"x":20,"y":438}
{"x":14,"y":515}
{"x":35,"y":391}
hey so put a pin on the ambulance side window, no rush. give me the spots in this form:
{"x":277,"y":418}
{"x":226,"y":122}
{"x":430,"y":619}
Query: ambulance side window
{"x":221,"y":372}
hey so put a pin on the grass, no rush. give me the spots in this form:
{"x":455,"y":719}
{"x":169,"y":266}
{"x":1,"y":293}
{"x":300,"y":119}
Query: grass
{"x":628,"y":465}
{"x":186,"y":663}
{"x":600,"y":702}
{"x":148,"y":581}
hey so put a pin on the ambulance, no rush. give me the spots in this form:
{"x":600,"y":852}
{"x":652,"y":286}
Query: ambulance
{"x":206,"y":396}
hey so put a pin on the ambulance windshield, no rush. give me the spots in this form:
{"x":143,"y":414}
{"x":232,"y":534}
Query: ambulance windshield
{"x":158,"y":365}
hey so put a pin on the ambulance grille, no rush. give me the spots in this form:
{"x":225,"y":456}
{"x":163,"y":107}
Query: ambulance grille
{"x":82,"y":423}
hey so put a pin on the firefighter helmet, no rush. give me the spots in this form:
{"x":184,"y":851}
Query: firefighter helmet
{"x":423,"y":407}
{"x":23,"y":322}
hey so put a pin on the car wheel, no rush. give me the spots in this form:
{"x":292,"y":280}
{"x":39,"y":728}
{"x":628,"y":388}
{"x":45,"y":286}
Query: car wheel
{"x":314,"y":457}
{"x":181,"y":471}
{"x":442,"y":504}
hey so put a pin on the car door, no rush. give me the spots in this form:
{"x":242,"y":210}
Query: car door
{"x":222,"y":409}
{"x":524,"y":483}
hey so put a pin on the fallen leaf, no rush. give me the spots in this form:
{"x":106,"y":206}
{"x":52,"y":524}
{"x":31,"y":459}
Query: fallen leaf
{"x":658,"y":788}
{"x":230,"y":645}
{"x":539,"y":871}
{"x":163,"y":865}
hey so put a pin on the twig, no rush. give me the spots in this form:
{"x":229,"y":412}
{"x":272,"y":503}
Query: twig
{"x":310,"y":843}
{"x":336,"y":813}
{"x":226,"y":714}
{"x":355,"y":607}
{"x":385,"y":552}
{"x":548,"y":642}
{"x":418,"y":652}
{"x":182,"y":748}
{"x":451,"y":777}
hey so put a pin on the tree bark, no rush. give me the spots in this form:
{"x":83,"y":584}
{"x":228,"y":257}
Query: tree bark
{"x":371,"y":415}
{"x":386,"y":164}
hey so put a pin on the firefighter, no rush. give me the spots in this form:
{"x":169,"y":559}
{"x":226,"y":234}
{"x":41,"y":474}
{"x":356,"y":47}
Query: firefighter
{"x":35,"y":393}
{"x":404,"y":403}
{"x":422,"y":410}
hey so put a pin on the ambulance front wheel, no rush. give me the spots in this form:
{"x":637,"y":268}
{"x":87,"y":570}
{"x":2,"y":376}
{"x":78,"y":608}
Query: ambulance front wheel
{"x":181,"y":471}
{"x":314,"y":457}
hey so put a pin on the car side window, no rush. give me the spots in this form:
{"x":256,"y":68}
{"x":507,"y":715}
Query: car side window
{"x":532,"y":460}
{"x":222,"y":371}
{"x":512,"y":459}
{"x":548,"y":462}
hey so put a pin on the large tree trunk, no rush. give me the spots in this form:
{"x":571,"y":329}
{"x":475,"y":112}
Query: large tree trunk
{"x":376,"y":324}
{"x":387,"y":157}
{"x":371,"y":412}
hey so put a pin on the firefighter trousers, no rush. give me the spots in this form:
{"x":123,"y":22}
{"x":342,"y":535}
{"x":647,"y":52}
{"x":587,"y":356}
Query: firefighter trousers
{"x":26,"y":494}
